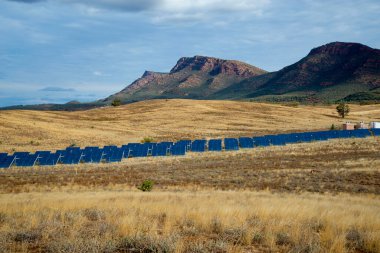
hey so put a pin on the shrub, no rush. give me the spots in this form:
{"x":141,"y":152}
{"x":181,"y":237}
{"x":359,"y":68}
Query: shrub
{"x":292,"y":104}
{"x":146,"y":186}
{"x":332,"y":127}
{"x":116,"y":102}
{"x":147,"y":140}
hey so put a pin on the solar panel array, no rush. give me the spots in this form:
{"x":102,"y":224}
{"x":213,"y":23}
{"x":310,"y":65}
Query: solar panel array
{"x":110,"y":154}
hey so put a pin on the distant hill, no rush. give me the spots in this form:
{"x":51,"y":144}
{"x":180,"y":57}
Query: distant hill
{"x":333,"y":72}
{"x":196,"y":77}
{"x":328,"y":73}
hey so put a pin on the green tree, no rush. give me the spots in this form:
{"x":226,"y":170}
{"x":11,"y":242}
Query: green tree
{"x":116,"y":102}
{"x":146,"y":186}
{"x":343,"y":109}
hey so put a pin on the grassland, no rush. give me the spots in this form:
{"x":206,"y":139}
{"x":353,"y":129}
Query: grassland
{"x":164,"y":120}
{"x":311,"y":197}
{"x":207,"y":221}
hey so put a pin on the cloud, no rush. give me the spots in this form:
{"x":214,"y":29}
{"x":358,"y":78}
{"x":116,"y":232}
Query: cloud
{"x":27,"y":1}
{"x":57,"y":89}
{"x":169,"y":6}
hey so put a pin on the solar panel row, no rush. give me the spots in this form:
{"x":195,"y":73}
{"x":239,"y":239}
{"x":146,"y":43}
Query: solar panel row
{"x":109,"y":154}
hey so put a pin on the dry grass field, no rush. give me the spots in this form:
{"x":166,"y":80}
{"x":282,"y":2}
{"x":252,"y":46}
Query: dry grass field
{"x":310,"y":197}
{"x":203,"y":221}
{"x":164,"y":120}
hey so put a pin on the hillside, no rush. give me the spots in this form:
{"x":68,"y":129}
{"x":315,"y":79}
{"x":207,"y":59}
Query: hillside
{"x":163,"y":120}
{"x":328,"y":73}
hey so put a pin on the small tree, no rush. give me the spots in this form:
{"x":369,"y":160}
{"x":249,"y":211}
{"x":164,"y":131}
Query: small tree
{"x":343,"y":109}
{"x":116,"y":102}
{"x":146,"y":186}
{"x":332,"y":127}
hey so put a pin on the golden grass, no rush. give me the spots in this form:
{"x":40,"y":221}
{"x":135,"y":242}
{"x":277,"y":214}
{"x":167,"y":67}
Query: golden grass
{"x":107,"y":221}
{"x":164,"y":120}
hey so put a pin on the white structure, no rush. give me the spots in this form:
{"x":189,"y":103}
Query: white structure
{"x":375,"y":125}
{"x":361,"y":125}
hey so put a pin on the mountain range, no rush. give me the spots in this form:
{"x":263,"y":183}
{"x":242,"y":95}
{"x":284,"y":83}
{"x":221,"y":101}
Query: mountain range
{"x":333,"y":72}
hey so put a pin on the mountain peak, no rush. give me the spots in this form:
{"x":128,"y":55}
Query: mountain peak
{"x":215,"y":66}
{"x":340,"y":48}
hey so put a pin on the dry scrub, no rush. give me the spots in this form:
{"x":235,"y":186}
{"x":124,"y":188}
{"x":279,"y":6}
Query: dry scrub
{"x":188,"y":222}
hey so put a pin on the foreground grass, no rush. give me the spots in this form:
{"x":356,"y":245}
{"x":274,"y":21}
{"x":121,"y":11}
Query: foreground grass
{"x":206,"y":221}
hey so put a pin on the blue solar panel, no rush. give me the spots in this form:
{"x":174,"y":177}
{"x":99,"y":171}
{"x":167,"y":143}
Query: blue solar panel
{"x":261,"y":141}
{"x":375,"y":131}
{"x":116,"y":155}
{"x":186,"y":143}
{"x":198,"y":146}
{"x":7,"y":162}
{"x":231,"y":144}
{"x":161,"y":149}
{"x":48,"y":159}
{"x":245,"y":142}
{"x":3,"y":156}
{"x":178,"y":149}
{"x":26,"y":160}
{"x":20,"y":154}
{"x":139,"y":150}
{"x":215,"y":145}
{"x":92,"y":155}
{"x":71,"y":155}
{"x":276,"y":140}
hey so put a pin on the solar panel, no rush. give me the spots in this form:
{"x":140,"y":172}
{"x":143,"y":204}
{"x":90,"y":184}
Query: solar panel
{"x":7,"y":162}
{"x":91,"y":155}
{"x":116,"y":155}
{"x":261,"y":141}
{"x":178,"y":149}
{"x":215,"y":145}
{"x":139,"y":150}
{"x":48,"y":159}
{"x":161,"y":149}
{"x":3,"y":156}
{"x":71,"y":155}
{"x":198,"y":146}
{"x":231,"y":144}
{"x":276,"y":140}
{"x":245,"y":142}
{"x":375,"y":131}
{"x":20,"y":154}
{"x":26,"y":160}
{"x":187,"y":144}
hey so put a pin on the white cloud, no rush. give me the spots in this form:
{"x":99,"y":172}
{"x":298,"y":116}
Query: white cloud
{"x":162,"y":10}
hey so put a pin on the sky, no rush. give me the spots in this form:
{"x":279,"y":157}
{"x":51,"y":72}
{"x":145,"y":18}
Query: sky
{"x":56,"y":51}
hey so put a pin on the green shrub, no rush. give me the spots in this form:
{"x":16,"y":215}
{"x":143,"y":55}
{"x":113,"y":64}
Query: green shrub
{"x":116,"y":102}
{"x":146,"y":186}
{"x":332,"y":127}
{"x":147,"y":140}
